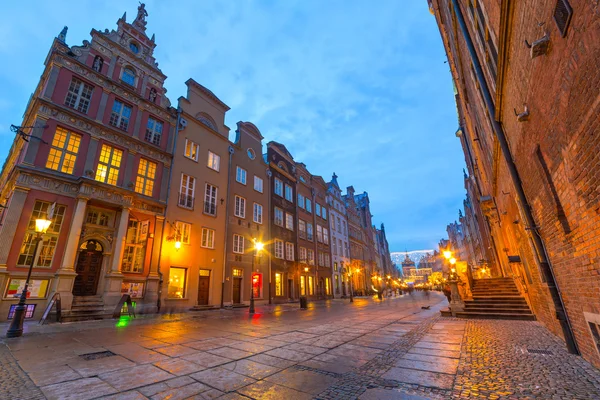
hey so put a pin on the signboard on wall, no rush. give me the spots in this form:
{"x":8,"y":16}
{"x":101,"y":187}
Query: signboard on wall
{"x":134,"y":289}
{"x":144,"y":227}
{"x":38,"y":288}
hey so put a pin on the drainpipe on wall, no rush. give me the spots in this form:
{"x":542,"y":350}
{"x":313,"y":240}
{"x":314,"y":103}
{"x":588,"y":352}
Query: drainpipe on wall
{"x":160,"y":274}
{"x":231,"y":150}
{"x":540,"y":250}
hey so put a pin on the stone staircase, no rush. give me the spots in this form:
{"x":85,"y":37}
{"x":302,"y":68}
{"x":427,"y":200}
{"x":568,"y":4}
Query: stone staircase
{"x":86,"y":308}
{"x":496,"y":298}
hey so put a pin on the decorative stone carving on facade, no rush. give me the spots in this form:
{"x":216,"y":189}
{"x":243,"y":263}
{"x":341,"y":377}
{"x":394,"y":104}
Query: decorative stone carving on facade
{"x":41,"y":182}
{"x":488,"y":208}
{"x":142,"y":205}
{"x":100,"y":193}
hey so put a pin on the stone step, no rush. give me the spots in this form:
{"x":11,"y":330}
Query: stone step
{"x":512,"y":316}
{"x":499,"y":297}
{"x":204,"y":308}
{"x":470,"y":304}
{"x":84,"y":316}
{"x":507,"y":310}
{"x":489,"y":293}
{"x":88,"y":308}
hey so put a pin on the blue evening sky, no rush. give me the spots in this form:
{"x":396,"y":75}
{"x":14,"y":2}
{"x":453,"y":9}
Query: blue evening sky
{"x":355,"y":87}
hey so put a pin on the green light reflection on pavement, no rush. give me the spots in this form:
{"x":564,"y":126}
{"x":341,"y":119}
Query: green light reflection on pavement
{"x":123,"y":322}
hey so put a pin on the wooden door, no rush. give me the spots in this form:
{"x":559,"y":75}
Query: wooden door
{"x":237,"y":290}
{"x":203,"y":287}
{"x":89,"y":265}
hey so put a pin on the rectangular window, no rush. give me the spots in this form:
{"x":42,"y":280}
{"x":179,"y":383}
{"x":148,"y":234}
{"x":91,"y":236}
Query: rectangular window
{"x":335,"y":267}
{"x":238,"y":244}
{"x":309,"y":231}
{"x":144,"y":183}
{"x":186,"y":191}
{"x":238,"y":272}
{"x":327,"y":289}
{"x":344,"y":225}
{"x":346,"y":251}
{"x":340,"y":248}
{"x":300,"y":201}
{"x":258,"y":184}
{"x":319,"y":233}
{"x":177,"y":277}
{"x":278,"y":219}
{"x":120,"y":115}
{"x":334,"y":244}
{"x":63,"y":151}
{"x":240,"y":175}
{"x":302,"y":285}
{"x":135,"y":248}
{"x":278,"y":187}
{"x":320,"y":259}
{"x":278,"y":284}
{"x":257,"y":215}
{"x":289,"y":222}
{"x":240,"y":207}
{"x":317,"y":209}
{"x":308,"y":206}
{"x":339,"y":226}
{"x":183,"y":232}
{"x":325,"y":236}
{"x":109,"y":164}
{"x":302,"y":254}
{"x":214,"y":161}
{"x":99,"y":217}
{"x":257,"y":280}
{"x":208,"y":238}
{"x":289,"y":251}
{"x":278,"y":248}
{"x":302,"y":229}
{"x":311,"y":287}
{"x":289,"y":195}
{"x":48,"y":246}
{"x":210,"y":199}
{"x":324,"y":213}
{"x":79,"y":95}
{"x":154,"y":130}
{"x":191,"y":150}
{"x":310,"y":256}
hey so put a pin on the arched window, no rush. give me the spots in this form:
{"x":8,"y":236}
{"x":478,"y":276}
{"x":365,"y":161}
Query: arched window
{"x":98,"y":62}
{"x":134,"y":47}
{"x":128,"y":76}
{"x":206,"y":120}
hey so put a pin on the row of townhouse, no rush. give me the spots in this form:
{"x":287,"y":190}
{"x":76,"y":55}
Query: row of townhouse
{"x":156,"y":202}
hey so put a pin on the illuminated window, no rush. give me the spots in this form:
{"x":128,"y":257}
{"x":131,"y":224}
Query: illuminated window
{"x":144,"y":183}
{"x":289,"y":251}
{"x":48,"y":246}
{"x":191,"y":150}
{"x":258,"y":184}
{"x":208,"y":238}
{"x":128,"y":76}
{"x":210,"y":199}
{"x":278,"y":218}
{"x":183,"y":231}
{"x":289,"y":195}
{"x":258,"y":213}
{"x":289,"y":222}
{"x":176,"y":288}
{"x":135,"y":247}
{"x":278,"y":248}
{"x":278,"y":285}
{"x":238,"y":244}
{"x":327,"y":288}
{"x":240,"y":207}
{"x":98,"y":217}
{"x":311,"y":287}
{"x":240,"y":175}
{"x":302,"y":285}
{"x":109,"y":164}
{"x":63,"y":151}
{"x":278,"y":188}
{"x":79,"y":95}
{"x":154,"y":130}
{"x":257,"y":285}
{"x":120,"y":115}
{"x":186,"y":191}
{"x":214,"y":161}
{"x":237,"y":272}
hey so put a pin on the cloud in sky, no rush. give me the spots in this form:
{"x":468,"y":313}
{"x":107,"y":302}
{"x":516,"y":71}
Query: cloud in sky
{"x":348,"y":87}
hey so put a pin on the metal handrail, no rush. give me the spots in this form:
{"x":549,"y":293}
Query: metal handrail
{"x":54,"y":300}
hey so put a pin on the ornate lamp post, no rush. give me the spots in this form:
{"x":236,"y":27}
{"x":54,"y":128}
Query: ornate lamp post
{"x":16,"y":326}
{"x":456,"y":303}
{"x":258,"y":246}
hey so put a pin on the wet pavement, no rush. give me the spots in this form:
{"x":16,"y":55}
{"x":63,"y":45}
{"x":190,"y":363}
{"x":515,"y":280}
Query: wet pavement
{"x":393,"y":349}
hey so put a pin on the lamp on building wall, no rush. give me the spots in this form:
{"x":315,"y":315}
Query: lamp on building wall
{"x":16,"y":326}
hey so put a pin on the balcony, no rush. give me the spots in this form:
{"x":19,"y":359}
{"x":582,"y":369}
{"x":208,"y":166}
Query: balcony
{"x":186,"y":201}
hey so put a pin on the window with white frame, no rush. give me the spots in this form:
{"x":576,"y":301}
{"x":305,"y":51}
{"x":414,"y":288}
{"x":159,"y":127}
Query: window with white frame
{"x":289,"y":251}
{"x":346,"y":251}
{"x":317,"y":209}
{"x":340,"y":248}
{"x":308,"y":206}
{"x":154,"y":130}
{"x":289,"y":194}
{"x":186,"y":191}
{"x":310,"y":256}
{"x":191,"y":150}
{"x":135,"y":248}
{"x":210,"y":199}
{"x":79,"y":95}
{"x":120,"y":115}
{"x":309,"y":231}
{"x":278,"y":216}
{"x":321,"y":261}
{"x":302,"y":254}
{"x":208,"y":238}
{"x":325,"y":236}
{"x":339,"y":225}
{"x":238,"y":244}
{"x":302,"y":229}
{"x":183,"y":231}
{"x":214,"y":161}
{"x":327,"y":260}
{"x":300,"y":201}
{"x":278,"y":248}
{"x":240,"y":175}
{"x":278,"y":187}
{"x":48,"y":246}
{"x":289,"y":222}
{"x":63,"y":151}
{"x":258,"y":184}
{"x":334,"y":246}
{"x":344,"y":225}
{"x":257,"y":215}
{"x":319,"y":233}
{"x":278,"y":284}
{"x":240,"y":207}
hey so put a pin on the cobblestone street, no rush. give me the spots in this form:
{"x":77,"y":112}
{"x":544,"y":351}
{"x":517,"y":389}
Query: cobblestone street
{"x":334,"y":350}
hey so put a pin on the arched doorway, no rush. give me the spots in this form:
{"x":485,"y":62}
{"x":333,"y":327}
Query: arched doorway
{"x":89,"y":265}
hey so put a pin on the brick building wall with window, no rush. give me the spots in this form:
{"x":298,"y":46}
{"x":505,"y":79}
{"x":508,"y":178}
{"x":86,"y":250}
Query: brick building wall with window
{"x":89,"y":168}
{"x":544,"y":86}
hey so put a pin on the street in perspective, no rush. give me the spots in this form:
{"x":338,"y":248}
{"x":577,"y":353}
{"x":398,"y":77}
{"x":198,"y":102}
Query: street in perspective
{"x":300,"y":200}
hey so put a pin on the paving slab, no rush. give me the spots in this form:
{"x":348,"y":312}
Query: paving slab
{"x":272,"y":361}
{"x":135,"y":377}
{"x":427,"y":366}
{"x":251,"y":368}
{"x":422,"y":378}
{"x":206,"y":359}
{"x":222,"y":379}
{"x":179,"y":366}
{"x":80,"y":389}
{"x":231,"y":353}
{"x":302,"y":380}
{"x":389,"y":394}
{"x":270,"y":391}
{"x":291,"y":355}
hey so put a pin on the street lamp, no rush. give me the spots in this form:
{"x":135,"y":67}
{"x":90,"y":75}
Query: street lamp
{"x":447,"y":254}
{"x":16,"y":326}
{"x":258,"y":246}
